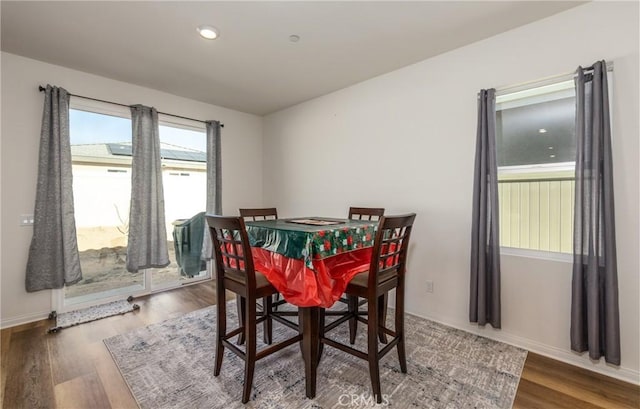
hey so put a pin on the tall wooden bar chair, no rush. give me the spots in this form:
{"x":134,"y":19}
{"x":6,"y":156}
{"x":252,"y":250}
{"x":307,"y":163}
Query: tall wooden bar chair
{"x":267,"y":213}
{"x":366,"y":213}
{"x":363,"y":213}
{"x":235,"y":272}
{"x":386,"y":272}
{"x":255,"y":214}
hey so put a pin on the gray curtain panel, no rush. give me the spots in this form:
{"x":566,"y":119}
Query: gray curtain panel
{"x":484,"y":304}
{"x":147,"y":242}
{"x":53,"y":255}
{"x":214,"y":179}
{"x":595,"y":324}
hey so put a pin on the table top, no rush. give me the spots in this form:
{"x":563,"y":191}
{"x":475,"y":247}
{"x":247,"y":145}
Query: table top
{"x":309,"y":242}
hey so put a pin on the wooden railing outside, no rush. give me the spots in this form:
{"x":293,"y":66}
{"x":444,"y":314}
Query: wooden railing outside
{"x":537,"y":213}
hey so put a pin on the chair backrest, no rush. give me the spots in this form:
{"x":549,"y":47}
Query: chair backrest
{"x":231,"y":246}
{"x":390,"y":246}
{"x":366,"y":213}
{"x":259,"y":214}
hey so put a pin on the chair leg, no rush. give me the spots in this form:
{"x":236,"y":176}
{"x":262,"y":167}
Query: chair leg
{"x":372,"y":337}
{"x":267,"y":324}
{"x":382,"y":315}
{"x":241,"y":303}
{"x":221,"y":329}
{"x":352,"y":308}
{"x":399,"y":325}
{"x":277,"y":298}
{"x":250,"y":358}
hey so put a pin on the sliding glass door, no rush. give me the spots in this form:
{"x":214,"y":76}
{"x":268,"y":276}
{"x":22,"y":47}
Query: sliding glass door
{"x":101,"y":155}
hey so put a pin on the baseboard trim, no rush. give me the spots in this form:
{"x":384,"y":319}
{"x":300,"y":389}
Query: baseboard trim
{"x":24,"y":319}
{"x":569,"y":357}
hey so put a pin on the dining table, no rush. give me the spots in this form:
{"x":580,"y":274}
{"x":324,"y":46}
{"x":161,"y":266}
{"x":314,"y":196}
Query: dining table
{"x":310,"y":261}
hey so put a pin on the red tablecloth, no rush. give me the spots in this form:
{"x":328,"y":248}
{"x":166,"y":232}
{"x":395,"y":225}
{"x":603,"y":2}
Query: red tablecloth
{"x":301,"y":286}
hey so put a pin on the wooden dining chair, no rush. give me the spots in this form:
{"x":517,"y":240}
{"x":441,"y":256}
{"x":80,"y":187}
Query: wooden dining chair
{"x":386,"y":272}
{"x":235,"y":272}
{"x":366,"y":213}
{"x":267,"y":213}
{"x":255,"y":214}
{"x":353,"y":304}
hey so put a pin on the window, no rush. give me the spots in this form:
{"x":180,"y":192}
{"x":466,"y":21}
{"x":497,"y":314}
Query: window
{"x":101,"y":193}
{"x":536,"y":150}
{"x":535,"y":132}
{"x":184,"y":179}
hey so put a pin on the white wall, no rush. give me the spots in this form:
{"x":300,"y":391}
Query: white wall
{"x":405,"y":141}
{"x":21,"y":117}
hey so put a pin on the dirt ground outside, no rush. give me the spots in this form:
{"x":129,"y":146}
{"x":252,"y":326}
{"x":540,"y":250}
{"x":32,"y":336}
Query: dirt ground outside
{"x":105,"y":269}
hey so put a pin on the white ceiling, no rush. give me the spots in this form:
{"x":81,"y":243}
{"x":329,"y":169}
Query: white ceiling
{"x":253,"y":67}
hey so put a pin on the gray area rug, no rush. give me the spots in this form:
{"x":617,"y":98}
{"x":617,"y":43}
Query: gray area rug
{"x":170,"y":365}
{"x":71,"y":318}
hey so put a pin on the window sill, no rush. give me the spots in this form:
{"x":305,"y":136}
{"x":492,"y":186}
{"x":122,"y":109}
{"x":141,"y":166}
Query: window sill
{"x":543,"y":255}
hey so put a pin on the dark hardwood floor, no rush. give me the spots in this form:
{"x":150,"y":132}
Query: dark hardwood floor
{"x":73,"y":369}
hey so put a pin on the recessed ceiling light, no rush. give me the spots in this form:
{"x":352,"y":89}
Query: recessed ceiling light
{"x":550,"y":147}
{"x":208,"y":32}
{"x":552,"y":156}
{"x":294,"y":38}
{"x":542,"y":130}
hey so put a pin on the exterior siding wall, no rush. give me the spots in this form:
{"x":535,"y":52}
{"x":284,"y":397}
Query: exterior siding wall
{"x":537,"y":214}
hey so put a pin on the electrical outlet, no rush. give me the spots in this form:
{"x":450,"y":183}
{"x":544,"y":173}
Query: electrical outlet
{"x":26,"y":220}
{"x":429,"y":286}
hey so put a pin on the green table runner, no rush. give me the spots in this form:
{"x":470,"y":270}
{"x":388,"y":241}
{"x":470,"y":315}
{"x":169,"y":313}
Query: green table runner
{"x":307,"y":242}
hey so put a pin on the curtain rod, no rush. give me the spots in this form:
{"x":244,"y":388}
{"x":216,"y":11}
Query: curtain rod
{"x":507,"y":89}
{"x":42,"y":89}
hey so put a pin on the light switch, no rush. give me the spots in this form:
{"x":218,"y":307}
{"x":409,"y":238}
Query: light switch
{"x":26,"y":220}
